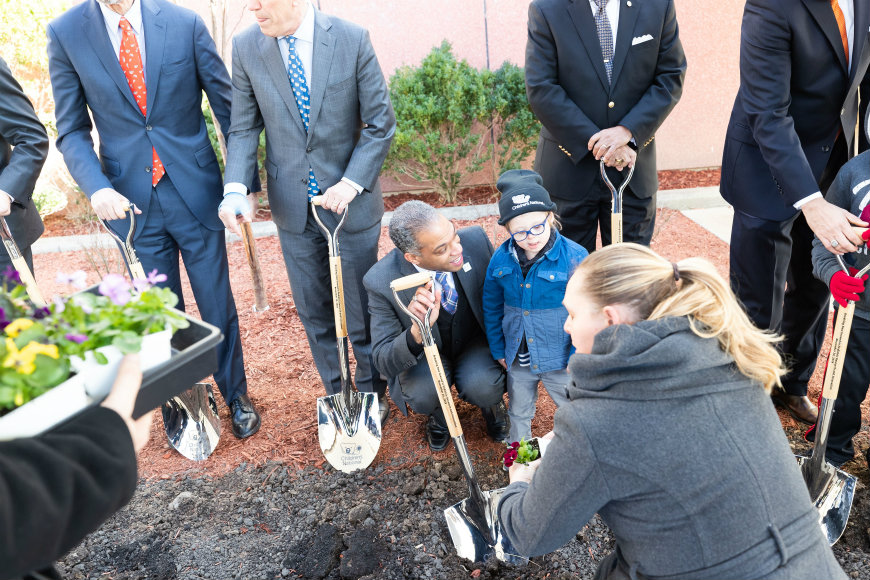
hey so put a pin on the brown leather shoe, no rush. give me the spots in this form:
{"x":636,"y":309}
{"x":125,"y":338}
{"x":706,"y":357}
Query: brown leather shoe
{"x":801,"y":408}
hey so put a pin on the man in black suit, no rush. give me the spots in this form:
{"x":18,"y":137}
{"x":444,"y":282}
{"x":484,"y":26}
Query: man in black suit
{"x":426,"y":241}
{"x":23,"y":149}
{"x":791,"y":129}
{"x":602,"y":76}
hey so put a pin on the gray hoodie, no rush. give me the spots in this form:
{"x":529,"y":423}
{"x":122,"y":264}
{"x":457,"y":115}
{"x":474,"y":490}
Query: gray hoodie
{"x":682,"y":456}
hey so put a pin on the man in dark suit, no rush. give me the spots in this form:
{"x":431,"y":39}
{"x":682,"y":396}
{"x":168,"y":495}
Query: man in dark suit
{"x":602,"y":76}
{"x":427,"y":242}
{"x":140,"y":67}
{"x":314,"y":83}
{"x":23,"y":149}
{"x":791,"y":129}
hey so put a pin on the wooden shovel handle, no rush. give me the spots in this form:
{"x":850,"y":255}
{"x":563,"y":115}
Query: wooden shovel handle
{"x":260,"y":301}
{"x":410,"y":281}
{"x":445,"y":397}
{"x":338,"y":297}
{"x":616,"y":228}
{"x":842,"y":328}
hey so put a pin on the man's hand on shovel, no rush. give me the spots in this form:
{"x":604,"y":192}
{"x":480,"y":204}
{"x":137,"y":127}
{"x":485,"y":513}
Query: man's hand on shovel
{"x":424,"y":298}
{"x":234,"y":209}
{"x":109,"y":205}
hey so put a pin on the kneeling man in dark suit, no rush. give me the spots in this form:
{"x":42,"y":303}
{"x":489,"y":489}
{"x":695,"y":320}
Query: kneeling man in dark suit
{"x":426,"y":241}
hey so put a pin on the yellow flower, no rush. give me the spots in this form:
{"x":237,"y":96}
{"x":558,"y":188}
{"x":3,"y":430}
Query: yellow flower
{"x":19,"y":397}
{"x":17,"y":325}
{"x":23,"y":361}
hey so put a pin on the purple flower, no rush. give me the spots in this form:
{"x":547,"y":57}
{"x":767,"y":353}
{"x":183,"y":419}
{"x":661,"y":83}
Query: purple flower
{"x":41,"y":312}
{"x":4,"y":322}
{"x":11,"y":274}
{"x":116,"y":288}
{"x":77,"y":279}
{"x":59,"y":304}
{"x":81,"y":303}
{"x":154,"y":278}
{"x":77,"y":338}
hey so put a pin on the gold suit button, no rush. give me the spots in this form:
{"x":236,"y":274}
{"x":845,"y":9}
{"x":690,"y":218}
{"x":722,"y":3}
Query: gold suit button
{"x":611,"y":104}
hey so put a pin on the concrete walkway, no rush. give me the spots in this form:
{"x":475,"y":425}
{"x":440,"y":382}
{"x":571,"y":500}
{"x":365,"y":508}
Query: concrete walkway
{"x":702,"y":205}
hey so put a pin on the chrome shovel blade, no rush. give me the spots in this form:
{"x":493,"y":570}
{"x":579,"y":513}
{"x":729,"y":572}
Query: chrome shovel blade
{"x":350,"y":435}
{"x":832,"y":491}
{"x":192,"y":423}
{"x":478,"y":536}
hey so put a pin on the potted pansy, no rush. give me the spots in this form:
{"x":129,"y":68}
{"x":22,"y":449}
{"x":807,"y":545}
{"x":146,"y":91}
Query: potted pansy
{"x":523,"y":452}
{"x":55,"y":361}
{"x":100,"y":326}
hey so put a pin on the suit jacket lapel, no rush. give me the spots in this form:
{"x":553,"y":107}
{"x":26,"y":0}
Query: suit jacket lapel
{"x":469,"y":278}
{"x":860,"y":32}
{"x":324,"y":47}
{"x":155,"y":35}
{"x":94,"y":29}
{"x":824,"y":17}
{"x":624,"y":35}
{"x":274,"y":63}
{"x":581,"y":15}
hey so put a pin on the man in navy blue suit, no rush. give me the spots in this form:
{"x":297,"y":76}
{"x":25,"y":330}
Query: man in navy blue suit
{"x":140,"y":67}
{"x":791,"y":129}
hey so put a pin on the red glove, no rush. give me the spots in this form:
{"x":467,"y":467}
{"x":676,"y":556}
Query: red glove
{"x":845,"y":287}
{"x":865,"y":235}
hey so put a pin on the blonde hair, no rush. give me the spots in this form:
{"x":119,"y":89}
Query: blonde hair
{"x":637,"y":277}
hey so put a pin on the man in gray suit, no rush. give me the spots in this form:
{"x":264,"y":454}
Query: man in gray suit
{"x":314,"y":83}
{"x":427,"y":242}
{"x":23,"y":149}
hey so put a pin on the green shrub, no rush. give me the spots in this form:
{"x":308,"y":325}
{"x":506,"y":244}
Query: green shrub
{"x":438,"y":106}
{"x":451,"y":118}
{"x":49,"y":199}
{"x":515,"y":129}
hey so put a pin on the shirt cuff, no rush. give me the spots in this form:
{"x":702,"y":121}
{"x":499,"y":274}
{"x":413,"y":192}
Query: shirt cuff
{"x":799,"y":203}
{"x":11,"y":198}
{"x":415,"y":347}
{"x":359,"y":188}
{"x":235,"y":187}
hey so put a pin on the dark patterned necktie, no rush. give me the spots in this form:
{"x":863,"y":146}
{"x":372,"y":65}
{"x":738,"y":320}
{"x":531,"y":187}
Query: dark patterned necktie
{"x":605,"y":37}
{"x":296,"y":72}
{"x":449,"y":295}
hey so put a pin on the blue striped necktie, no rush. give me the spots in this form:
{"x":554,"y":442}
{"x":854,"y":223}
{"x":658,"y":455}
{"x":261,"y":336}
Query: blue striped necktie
{"x":296,"y":72}
{"x":449,"y":296}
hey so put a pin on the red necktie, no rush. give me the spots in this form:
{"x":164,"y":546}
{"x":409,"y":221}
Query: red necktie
{"x":841,"y":23}
{"x":131,"y":64}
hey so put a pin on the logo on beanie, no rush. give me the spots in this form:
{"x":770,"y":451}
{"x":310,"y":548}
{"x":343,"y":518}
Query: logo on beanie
{"x":519,"y":199}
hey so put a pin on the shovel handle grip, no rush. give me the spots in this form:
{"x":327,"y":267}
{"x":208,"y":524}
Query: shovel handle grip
{"x":410,"y":281}
{"x":445,"y":396}
{"x":261,"y":303}
{"x":616,"y":228}
{"x":317,"y":200}
{"x":338,"y":297}
{"x":842,"y":328}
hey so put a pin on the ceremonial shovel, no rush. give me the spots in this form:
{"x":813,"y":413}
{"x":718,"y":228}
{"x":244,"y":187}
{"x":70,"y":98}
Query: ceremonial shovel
{"x":616,"y":205}
{"x":473,"y":522}
{"x":191,"y":419}
{"x":831,"y":489}
{"x":348,"y":423}
{"x":20,"y":264}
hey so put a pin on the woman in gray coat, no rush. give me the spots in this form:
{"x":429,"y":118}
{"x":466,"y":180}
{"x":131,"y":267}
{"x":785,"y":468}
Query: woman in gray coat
{"x":669,"y":434}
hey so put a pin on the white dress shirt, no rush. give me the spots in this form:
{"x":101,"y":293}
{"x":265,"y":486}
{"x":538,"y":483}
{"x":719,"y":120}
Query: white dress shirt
{"x":305,"y":50}
{"x":437,"y":285}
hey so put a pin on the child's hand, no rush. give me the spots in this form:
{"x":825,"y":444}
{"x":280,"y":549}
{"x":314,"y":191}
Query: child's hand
{"x":845,"y":287}
{"x":503,"y":364}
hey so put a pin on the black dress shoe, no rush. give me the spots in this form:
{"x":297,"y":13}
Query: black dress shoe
{"x":246,"y":420}
{"x":383,"y":410}
{"x":799,"y":407}
{"x":498,"y":425}
{"x":437,"y":433}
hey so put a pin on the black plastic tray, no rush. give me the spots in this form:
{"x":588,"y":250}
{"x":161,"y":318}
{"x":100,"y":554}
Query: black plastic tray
{"x":194,"y":357}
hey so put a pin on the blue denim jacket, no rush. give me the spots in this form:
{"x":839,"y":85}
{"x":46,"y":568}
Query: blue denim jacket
{"x":513,"y":306}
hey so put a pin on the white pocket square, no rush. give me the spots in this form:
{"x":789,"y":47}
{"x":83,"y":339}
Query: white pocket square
{"x":640,"y":39}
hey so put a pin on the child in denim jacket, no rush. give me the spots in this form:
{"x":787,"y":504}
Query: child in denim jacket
{"x":522,"y":297}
